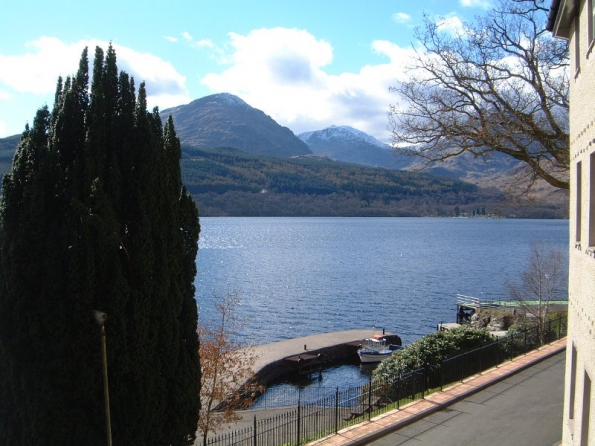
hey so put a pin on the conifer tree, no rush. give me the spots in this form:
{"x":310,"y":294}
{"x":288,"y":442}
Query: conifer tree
{"x":94,"y":216}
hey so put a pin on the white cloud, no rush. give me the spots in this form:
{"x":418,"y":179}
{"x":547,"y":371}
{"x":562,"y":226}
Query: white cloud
{"x":187,"y":36}
{"x":165,"y":86}
{"x":452,"y":25}
{"x":401,"y":17}
{"x":170,"y":38}
{"x":284,"y":72}
{"x":159,"y":75}
{"x":485,"y":4}
{"x":205,"y":43}
{"x":22,"y":72}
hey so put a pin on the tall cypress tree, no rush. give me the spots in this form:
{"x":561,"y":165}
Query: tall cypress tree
{"x":94,"y":216}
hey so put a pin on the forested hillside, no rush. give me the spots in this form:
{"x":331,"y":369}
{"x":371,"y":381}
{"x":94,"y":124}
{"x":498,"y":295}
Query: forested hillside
{"x":229,"y":182}
{"x":7,"y":148}
{"x":232,"y":182}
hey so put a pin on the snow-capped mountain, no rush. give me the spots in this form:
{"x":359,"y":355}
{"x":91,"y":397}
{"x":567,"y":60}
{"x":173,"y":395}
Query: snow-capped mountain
{"x":344,"y":143}
{"x":341,"y":133}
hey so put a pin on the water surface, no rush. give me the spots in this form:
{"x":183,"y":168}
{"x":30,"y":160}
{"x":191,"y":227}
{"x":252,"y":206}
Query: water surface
{"x":302,"y":276}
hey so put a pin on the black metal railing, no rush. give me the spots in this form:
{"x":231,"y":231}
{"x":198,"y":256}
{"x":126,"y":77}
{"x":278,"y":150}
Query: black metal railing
{"x":338,"y":408}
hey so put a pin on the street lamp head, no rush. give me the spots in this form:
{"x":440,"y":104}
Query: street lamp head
{"x":100,"y":317}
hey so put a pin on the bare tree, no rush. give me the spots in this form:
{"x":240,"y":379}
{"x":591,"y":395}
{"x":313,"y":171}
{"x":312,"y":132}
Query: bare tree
{"x":540,"y":284}
{"x":499,"y":84}
{"x":226,"y":364}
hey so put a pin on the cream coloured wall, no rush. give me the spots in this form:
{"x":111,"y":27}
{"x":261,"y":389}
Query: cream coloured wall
{"x":581,"y":308}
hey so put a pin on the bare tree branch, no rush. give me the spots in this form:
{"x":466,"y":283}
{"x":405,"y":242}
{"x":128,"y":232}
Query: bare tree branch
{"x":539,"y":286}
{"x":501,"y":85}
{"x":226,"y":366}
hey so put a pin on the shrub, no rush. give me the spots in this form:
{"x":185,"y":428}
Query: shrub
{"x":431,"y":350}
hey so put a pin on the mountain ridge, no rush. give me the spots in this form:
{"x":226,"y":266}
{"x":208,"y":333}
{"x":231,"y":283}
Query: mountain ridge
{"x":350,"y":145}
{"x":225,"y":120}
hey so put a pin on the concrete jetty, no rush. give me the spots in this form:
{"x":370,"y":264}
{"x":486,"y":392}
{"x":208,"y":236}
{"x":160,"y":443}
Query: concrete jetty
{"x":283,"y":357}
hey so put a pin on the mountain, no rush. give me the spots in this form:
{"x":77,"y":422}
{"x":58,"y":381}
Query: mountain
{"x":496,"y":170}
{"x":225,"y":120}
{"x":344,"y":143}
{"x":230,"y":182}
{"x":500,"y":171}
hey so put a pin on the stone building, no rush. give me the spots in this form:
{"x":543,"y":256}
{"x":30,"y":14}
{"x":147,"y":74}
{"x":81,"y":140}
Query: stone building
{"x":575,"y":20}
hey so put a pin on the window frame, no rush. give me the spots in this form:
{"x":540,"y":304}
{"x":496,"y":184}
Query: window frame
{"x":578,"y":203}
{"x":577,"y":42}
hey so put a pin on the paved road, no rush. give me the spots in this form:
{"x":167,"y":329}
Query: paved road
{"x":524,"y":409}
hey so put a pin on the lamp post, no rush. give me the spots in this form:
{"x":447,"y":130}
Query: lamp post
{"x":101,"y":318}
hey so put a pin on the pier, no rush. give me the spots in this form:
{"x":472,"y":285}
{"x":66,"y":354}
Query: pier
{"x":467,"y":306}
{"x":310,"y":353}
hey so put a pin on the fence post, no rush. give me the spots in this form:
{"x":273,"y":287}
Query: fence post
{"x":559,"y":327}
{"x":442,"y":375}
{"x":370,"y":400}
{"x":461,"y":362}
{"x":398,"y":392}
{"x":298,"y":427}
{"x":426,"y":381}
{"x":254,"y":432}
{"x":337,"y":410}
{"x":525,"y":349}
{"x":549,"y":331}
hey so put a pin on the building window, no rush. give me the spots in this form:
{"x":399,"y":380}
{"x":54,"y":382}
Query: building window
{"x":579,"y":200}
{"x":591,"y":21}
{"x":586,"y":411}
{"x":577,"y":39}
{"x":572,"y":383}
{"x":592,"y":200}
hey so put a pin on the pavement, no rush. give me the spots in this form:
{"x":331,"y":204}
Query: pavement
{"x":526,"y":409}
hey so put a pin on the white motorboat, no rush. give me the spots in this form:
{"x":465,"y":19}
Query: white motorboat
{"x":375,"y":349}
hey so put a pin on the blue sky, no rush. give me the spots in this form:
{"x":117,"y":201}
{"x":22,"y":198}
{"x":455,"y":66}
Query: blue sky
{"x":308,"y":64}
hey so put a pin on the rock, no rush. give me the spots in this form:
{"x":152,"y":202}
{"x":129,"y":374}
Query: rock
{"x":497,"y":323}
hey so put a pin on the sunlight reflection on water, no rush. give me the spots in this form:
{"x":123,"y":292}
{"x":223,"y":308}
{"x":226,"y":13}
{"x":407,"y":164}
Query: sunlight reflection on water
{"x":302,"y":276}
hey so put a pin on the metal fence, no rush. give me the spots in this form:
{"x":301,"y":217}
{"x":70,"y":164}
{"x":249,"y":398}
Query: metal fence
{"x":338,"y":408}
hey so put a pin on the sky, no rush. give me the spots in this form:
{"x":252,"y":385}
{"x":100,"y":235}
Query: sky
{"x":308,"y":64}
